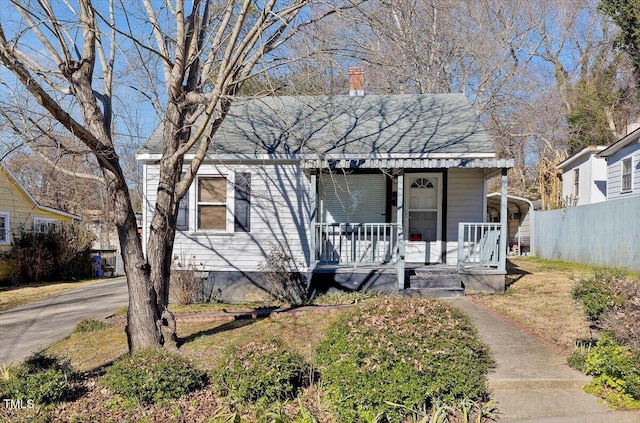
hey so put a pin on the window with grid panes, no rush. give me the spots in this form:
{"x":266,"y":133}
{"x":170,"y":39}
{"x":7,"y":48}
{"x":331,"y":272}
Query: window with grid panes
{"x":212,"y":203}
{"x":626,"y":174}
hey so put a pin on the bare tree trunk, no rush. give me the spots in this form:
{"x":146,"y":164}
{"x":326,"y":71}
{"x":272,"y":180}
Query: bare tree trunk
{"x":142,"y":331}
{"x":142,"y":315}
{"x":206,"y":53}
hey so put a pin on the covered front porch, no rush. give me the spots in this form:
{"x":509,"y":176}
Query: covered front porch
{"x":405,"y":222}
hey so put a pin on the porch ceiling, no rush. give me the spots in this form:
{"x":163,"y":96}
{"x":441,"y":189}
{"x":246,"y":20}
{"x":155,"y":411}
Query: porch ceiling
{"x":411,"y":163}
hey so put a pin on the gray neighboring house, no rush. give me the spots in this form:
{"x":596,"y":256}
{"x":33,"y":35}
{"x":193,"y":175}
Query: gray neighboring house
{"x":623,"y":165}
{"x":363,"y":192}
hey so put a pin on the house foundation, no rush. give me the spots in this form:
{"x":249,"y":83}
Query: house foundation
{"x":485,"y":280}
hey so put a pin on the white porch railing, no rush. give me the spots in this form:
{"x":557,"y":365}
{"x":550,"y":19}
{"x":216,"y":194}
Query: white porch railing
{"x":479,"y":245}
{"x":355,"y":243}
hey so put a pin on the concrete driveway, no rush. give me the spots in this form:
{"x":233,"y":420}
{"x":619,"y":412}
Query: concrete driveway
{"x":33,"y":327}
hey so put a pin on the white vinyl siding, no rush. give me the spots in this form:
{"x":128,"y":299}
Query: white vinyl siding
{"x":584,"y":181}
{"x":5,"y":228}
{"x":465,"y":200}
{"x":615,"y":188}
{"x":279,"y":218}
{"x":598,"y":180}
{"x":352,"y":198}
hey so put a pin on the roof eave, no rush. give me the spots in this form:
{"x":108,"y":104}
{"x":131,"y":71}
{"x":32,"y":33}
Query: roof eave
{"x":625,"y":141}
{"x":60,"y":212}
{"x":150,"y":156}
{"x":584,"y":152}
{"x":33,"y":200}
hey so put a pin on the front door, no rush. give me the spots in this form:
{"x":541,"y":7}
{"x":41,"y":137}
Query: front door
{"x":423,"y":219}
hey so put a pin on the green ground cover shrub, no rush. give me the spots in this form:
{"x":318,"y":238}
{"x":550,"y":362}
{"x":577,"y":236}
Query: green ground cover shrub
{"x":397,"y":354}
{"x":616,"y":372}
{"x":89,"y":325}
{"x":262,"y":372}
{"x":611,"y":300}
{"x":596,"y":293}
{"x":578,"y":357}
{"x":151,"y":375}
{"x":41,"y":379}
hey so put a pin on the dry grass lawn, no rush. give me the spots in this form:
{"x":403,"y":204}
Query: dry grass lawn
{"x":204,"y":342}
{"x":539,"y":298}
{"x":13,"y":297}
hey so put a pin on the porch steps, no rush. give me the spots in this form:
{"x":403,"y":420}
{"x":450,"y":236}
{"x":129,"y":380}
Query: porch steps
{"x":433,"y":281}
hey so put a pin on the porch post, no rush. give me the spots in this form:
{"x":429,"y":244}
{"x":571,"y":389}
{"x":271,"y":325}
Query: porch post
{"x":400,"y":243}
{"x":312,"y":221}
{"x":503,"y":221}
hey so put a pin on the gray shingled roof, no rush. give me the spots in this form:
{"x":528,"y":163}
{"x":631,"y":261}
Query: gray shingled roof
{"x":411,"y":125}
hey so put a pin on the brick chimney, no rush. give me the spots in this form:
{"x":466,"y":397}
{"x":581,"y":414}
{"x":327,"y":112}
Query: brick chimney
{"x":356,"y":81}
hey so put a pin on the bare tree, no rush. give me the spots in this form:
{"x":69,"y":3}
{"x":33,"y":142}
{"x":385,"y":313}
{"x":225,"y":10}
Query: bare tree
{"x":188,"y":58}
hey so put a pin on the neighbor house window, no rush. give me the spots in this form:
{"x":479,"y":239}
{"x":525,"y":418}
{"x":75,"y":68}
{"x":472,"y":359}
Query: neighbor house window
{"x":4,"y":228}
{"x":576,"y":183}
{"x":212,"y":203}
{"x":626,"y":174}
{"x":44,"y":226}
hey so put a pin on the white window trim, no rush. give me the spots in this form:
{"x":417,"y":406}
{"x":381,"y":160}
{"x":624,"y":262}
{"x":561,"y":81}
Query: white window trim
{"x":630,"y":189}
{"x":193,"y":205}
{"x":576,"y":183}
{"x":47,"y":220}
{"x":7,"y":223}
{"x":438,"y":187}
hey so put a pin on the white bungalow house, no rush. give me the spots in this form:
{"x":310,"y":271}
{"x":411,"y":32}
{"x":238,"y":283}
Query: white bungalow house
{"x":584,"y":177}
{"x":623,"y":165}
{"x":364,"y":192}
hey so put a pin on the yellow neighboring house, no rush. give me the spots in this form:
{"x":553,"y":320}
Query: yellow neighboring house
{"x":20,"y":211}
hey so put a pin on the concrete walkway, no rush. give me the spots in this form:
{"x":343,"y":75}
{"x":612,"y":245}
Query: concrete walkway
{"x":33,"y":327}
{"x":532,"y":383}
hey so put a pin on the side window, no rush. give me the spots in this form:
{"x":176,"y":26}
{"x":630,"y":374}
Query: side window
{"x":242,"y":206}
{"x":5,"y":230}
{"x":626,"y":174}
{"x":44,"y":226}
{"x":211,"y":203}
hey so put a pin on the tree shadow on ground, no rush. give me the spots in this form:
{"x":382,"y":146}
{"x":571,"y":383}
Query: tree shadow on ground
{"x":237,"y":323}
{"x":514,"y":273}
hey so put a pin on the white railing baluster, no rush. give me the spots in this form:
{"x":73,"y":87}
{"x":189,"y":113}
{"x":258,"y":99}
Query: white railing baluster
{"x":355,"y":243}
{"x":478,"y":245}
